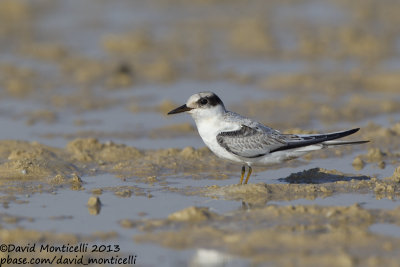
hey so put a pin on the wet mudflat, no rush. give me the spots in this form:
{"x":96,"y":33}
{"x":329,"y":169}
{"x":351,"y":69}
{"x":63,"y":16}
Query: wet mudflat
{"x":87,"y":154}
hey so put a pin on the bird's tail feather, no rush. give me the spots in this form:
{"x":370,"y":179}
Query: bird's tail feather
{"x":339,"y":143}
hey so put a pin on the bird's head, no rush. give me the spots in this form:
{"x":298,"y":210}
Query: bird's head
{"x":202,"y":105}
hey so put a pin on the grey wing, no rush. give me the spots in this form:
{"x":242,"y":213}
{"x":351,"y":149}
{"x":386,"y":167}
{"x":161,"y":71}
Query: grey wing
{"x":251,"y":142}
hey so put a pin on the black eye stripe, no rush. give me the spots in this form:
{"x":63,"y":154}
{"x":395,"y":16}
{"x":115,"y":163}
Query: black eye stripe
{"x":211,"y":100}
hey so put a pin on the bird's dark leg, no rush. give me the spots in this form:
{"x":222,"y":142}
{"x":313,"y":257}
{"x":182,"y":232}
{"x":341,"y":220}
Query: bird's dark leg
{"x":248,"y":175}
{"x":243,"y":171}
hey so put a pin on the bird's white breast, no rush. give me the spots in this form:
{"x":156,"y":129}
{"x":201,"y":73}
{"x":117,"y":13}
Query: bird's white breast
{"x":209,"y":128}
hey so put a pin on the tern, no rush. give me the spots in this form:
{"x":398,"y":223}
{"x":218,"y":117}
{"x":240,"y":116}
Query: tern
{"x":239,"y":139}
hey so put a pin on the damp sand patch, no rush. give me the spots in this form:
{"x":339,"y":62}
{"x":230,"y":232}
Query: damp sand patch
{"x":28,"y":167}
{"x":22,"y":160}
{"x":313,"y":235}
{"x":309,"y":184}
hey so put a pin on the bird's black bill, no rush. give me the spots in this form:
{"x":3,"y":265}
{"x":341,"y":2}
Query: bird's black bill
{"x":181,"y":109}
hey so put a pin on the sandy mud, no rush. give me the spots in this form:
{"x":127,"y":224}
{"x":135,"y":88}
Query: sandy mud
{"x":300,"y":235}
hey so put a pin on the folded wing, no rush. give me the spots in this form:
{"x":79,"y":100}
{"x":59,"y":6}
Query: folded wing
{"x":253,"y":142}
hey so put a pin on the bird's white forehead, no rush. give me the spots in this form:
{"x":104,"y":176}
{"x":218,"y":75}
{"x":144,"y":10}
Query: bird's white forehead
{"x":194,"y":98}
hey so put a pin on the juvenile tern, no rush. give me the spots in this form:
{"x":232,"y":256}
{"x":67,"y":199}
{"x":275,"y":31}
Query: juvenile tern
{"x":237,"y":138}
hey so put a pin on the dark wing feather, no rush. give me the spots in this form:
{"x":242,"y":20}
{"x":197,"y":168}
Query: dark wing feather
{"x":251,"y":142}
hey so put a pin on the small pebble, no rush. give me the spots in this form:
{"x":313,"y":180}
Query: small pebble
{"x":93,"y":202}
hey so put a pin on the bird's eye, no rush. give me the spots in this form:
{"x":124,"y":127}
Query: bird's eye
{"x":203,"y":101}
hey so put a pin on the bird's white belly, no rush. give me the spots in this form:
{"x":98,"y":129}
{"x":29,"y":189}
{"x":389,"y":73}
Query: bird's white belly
{"x":278,"y":157}
{"x":285,"y":155}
